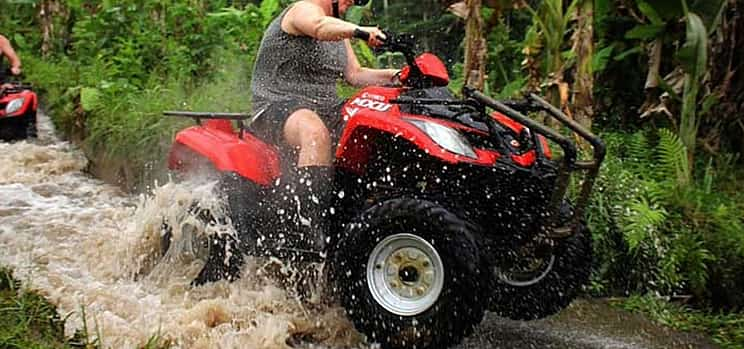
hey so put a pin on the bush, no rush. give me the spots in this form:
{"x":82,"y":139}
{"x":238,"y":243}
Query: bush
{"x":658,"y":228}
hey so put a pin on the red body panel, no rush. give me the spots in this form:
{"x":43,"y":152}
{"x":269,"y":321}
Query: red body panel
{"x":30,"y":102}
{"x":249,"y":157}
{"x":369,"y":114}
{"x":431,"y":66}
{"x":526,"y":159}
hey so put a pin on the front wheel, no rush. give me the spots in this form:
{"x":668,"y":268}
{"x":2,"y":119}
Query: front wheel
{"x":409,"y":274}
{"x":31,"y":125}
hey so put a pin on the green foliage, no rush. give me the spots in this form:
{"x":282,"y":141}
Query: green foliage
{"x":658,"y":228}
{"x":27,"y":320}
{"x":127,"y":61}
{"x":726,"y":329}
{"x":694,"y":59}
{"x":504,"y":57}
{"x":551,"y":19}
{"x":672,"y":156}
{"x":642,"y":223}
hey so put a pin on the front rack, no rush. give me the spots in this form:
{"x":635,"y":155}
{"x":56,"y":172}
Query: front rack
{"x":570,"y":161}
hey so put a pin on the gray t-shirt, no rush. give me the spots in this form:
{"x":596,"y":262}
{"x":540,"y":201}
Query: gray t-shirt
{"x":298,"y":68}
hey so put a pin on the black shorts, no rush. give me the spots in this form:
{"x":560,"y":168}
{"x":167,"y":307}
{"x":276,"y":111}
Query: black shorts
{"x":269,"y":122}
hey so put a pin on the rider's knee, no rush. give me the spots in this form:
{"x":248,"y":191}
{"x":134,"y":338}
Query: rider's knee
{"x":306,"y":129}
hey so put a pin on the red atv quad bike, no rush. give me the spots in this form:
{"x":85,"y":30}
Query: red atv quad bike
{"x":18,"y":105}
{"x":444,"y":207}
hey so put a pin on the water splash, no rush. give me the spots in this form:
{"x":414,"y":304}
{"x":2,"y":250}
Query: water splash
{"x":86,"y":245}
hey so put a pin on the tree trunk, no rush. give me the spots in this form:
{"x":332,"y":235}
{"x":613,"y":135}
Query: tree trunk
{"x":49,"y":10}
{"x":475,"y":47}
{"x":583,"y":47}
{"x":46,"y":21}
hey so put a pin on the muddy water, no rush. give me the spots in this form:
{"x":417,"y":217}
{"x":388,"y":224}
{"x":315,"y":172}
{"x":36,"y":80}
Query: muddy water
{"x":92,"y":250}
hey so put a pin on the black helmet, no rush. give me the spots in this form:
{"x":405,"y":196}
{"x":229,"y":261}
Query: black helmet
{"x":361,"y":2}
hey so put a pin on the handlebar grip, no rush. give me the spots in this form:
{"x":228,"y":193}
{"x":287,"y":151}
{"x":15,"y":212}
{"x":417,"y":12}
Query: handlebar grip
{"x":361,"y":34}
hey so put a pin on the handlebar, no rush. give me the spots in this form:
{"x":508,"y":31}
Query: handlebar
{"x":361,"y":34}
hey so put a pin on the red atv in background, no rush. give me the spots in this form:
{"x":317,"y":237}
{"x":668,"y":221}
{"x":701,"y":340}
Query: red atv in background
{"x":18,"y":104}
{"x":443,"y":209}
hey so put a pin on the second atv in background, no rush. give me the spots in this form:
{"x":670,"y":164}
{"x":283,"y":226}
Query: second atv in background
{"x":18,"y":105}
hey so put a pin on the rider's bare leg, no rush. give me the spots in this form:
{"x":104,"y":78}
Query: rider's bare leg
{"x":305,"y":130}
{"x":312,"y":183}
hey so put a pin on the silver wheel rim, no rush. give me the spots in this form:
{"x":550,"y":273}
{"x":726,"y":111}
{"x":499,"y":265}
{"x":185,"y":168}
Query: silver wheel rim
{"x":405,"y":274}
{"x":195,"y":245}
{"x":513,"y":279}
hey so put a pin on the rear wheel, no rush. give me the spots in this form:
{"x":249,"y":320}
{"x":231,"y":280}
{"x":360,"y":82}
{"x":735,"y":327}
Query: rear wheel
{"x":222,"y":253}
{"x":404,"y":270}
{"x":540,"y":284}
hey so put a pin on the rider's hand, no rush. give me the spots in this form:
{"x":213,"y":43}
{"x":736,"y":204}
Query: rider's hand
{"x":15,"y":70}
{"x":395,"y":79}
{"x":376,"y":36}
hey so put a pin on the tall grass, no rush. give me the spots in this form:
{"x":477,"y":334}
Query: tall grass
{"x":29,"y":321}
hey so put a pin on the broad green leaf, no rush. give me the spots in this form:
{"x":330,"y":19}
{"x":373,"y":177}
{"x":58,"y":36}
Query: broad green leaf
{"x":357,"y":14}
{"x":512,"y":88}
{"x":268,"y":9}
{"x":89,"y":98}
{"x":708,"y":10}
{"x":694,"y":53}
{"x":20,"y":41}
{"x":650,"y":13}
{"x":644,"y":31}
{"x":601,"y":57}
{"x":622,"y":55}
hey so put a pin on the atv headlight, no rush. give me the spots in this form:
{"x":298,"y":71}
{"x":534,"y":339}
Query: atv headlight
{"x":448,"y":138}
{"x":14,"y":106}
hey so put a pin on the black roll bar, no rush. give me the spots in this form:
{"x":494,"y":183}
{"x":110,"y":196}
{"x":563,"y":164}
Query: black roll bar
{"x":569,"y":163}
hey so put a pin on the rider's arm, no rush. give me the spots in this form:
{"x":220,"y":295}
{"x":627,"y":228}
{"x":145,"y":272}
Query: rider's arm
{"x":7,"y":50}
{"x":308,"y":19}
{"x":359,"y":76}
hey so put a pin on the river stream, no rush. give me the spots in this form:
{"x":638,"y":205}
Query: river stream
{"x":93,"y":251}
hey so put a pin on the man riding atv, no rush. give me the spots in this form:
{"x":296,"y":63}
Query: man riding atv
{"x":18,"y":102}
{"x":304,"y":51}
{"x":15,"y":63}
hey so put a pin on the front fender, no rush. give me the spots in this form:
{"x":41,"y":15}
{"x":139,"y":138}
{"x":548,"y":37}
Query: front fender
{"x":358,"y":142}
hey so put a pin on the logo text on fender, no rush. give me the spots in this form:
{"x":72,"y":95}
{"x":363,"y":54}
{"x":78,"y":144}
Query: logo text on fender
{"x":372,"y":104}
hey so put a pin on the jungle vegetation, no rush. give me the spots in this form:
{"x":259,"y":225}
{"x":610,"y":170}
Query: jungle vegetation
{"x":660,"y":80}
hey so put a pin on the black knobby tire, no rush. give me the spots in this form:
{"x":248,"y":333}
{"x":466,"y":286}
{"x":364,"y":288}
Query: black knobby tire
{"x":557,"y":289}
{"x":226,"y":251}
{"x":12,"y":129}
{"x":458,"y":307}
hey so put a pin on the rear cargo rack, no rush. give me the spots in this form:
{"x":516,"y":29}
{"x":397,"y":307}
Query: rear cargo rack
{"x":569,"y":163}
{"x":198,"y":116}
